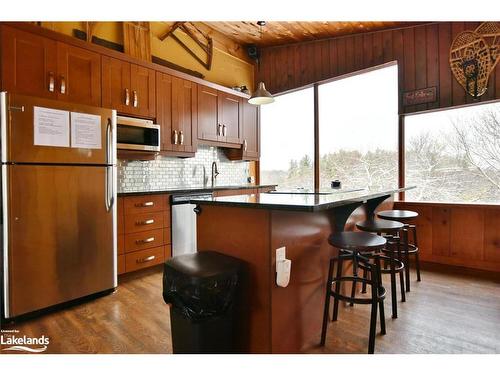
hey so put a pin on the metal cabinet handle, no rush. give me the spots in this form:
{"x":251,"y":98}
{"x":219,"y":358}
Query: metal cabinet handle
{"x":219,"y":130}
{"x":224,"y":130}
{"x":145,"y":222}
{"x":127,"y":97}
{"x":176,"y":137}
{"x":245,"y":145}
{"x":63,"y":85}
{"x":181,"y":136}
{"x":145,"y":204}
{"x":136,"y":99}
{"x":147,"y":259}
{"x":51,"y":81}
{"x":146,"y":240}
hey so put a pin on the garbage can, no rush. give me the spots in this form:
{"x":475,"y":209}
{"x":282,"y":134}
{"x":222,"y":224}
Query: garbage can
{"x":202,"y":290}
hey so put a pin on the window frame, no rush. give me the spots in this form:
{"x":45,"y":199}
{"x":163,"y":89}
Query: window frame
{"x":402,"y":153}
{"x":401,"y":132}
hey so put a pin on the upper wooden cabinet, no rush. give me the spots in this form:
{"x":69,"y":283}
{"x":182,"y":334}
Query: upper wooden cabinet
{"x":250,"y":149}
{"x":37,"y":66}
{"x":78,"y":75}
{"x":177,"y":114}
{"x":230,"y":113}
{"x":185,"y":114}
{"x":128,"y":88}
{"x":29,"y":63}
{"x":219,"y":116}
{"x":251,"y":131}
{"x":208,"y":125}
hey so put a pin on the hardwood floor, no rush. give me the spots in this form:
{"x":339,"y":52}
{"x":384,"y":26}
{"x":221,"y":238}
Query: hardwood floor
{"x":134,"y":319}
{"x":445,"y":313}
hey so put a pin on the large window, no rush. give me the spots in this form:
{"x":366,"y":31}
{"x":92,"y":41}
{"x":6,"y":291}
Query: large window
{"x":454,"y":155}
{"x":287,"y":141}
{"x":358,"y":130}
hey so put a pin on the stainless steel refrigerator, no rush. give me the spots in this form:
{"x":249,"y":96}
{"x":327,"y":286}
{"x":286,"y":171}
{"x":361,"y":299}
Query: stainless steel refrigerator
{"x":58,"y":202}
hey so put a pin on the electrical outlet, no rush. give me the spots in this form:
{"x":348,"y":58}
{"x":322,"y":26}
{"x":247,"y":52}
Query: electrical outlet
{"x":280,"y":256}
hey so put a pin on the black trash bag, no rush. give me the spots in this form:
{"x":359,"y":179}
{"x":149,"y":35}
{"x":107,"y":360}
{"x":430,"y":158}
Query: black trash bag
{"x":201,"y":286}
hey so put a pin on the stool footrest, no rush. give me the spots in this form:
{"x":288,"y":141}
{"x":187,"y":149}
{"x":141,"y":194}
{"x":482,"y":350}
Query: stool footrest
{"x":361,"y":301}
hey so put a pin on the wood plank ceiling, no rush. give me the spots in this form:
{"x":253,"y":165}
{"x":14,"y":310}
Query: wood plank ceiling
{"x":285,"y":32}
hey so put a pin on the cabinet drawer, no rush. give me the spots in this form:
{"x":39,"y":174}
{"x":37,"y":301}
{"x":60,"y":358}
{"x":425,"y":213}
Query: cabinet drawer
{"x":121,"y":244}
{"x":144,"y":258}
{"x":143,"y":222}
{"x":121,"y":264}
{"x":145,"y":203}
{"x":143,"y":240}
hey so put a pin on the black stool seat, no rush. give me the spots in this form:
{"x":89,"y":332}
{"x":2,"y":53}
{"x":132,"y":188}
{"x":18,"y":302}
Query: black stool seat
{"x":379,"y":225}
{"x":397,"y":214}
{"x":358,"y":241}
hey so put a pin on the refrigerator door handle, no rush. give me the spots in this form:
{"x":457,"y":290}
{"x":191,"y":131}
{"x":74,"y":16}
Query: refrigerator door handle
{"x":110,"y":188}
{"x":109,"y":143}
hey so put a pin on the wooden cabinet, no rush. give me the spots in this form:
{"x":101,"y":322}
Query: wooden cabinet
{"x":251,"y":131}
{"x":177,"y":114}
{"x":219,"y":116}
{"x":78,"y":75}
{"x":208,"y":125}
{"x":37,"y":66}
{"x":29,"y":63}
{"x":145,"y":231}
{"x":229,"y":115}
{"x":250,"y":148}
{"x":128,"y":88}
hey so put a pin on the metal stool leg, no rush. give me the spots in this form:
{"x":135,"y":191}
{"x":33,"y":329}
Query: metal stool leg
{"x":401,"y":273}
{"x":365,"y":276}
{"x":407,"y":258}
{"x":337,"y":289}
{"x":327,"y":302}
{"x":393,"y":285}
{"x":381,"y":303}
{"x":373,"y":318}
{"x":417,"y":261}
{"x":355,"y":274}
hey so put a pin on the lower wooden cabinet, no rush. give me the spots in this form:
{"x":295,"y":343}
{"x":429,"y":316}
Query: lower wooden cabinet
{"x":144,"y":238}
{"x":144,"y":258}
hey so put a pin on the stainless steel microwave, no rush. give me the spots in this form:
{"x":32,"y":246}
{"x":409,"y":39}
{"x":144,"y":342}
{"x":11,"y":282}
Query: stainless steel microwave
{"x":137,"y":134}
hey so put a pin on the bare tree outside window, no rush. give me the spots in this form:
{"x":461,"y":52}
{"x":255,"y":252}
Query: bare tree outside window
{"x":454,"y":155}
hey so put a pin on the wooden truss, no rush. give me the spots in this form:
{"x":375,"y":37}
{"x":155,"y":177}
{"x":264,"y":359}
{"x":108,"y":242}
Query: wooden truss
{"x":203,"y":41}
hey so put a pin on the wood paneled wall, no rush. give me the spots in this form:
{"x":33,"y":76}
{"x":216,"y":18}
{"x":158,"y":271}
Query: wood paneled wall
{"x":422,"y":53}
{"x":458,"y":234}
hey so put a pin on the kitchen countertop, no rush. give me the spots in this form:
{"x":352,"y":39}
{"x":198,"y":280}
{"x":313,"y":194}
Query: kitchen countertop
{"x":194,"y":189}
{"x":299,"y":202}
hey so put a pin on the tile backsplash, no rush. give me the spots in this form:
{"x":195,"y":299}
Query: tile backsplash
{"x":169,"y":172}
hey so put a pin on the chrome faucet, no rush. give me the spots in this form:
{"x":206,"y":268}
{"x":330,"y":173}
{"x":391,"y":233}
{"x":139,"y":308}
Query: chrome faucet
{"x":215,"y":173}
{"x":205,"y":177}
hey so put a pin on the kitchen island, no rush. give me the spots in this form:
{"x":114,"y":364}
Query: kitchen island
{"x":252,"y":227}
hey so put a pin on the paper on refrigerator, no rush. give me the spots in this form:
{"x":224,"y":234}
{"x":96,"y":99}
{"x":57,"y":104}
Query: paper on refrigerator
{"x":85,"y":130}
{"x":50,"y":127}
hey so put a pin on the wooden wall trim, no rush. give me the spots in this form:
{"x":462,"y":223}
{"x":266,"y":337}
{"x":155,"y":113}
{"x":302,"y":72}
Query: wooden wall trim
{"x":466,"y":235}
{"x":422,"y":54}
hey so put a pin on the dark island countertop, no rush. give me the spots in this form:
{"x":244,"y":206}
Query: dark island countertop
{"x":192,"y":189}
{"x":299,"y":201}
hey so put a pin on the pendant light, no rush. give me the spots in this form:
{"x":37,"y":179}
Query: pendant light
{"x":261,"y":95}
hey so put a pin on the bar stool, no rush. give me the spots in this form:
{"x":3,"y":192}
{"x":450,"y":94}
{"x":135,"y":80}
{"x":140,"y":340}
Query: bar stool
{"x":353,"y":246}
{"x":411,"y":248}
{"x":390,"y":231}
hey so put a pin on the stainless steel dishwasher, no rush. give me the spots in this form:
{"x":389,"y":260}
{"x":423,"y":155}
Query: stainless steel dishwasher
{"x":184,"y":223}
